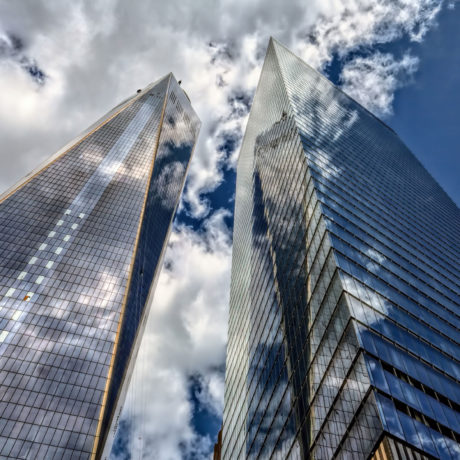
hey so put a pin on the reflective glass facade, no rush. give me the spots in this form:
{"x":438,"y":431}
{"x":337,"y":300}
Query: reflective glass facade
{"x":81,"y":244}
{"x":344,"y":321}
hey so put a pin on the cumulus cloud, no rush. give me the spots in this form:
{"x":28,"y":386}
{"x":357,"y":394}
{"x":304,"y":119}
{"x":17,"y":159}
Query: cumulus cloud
{"x":373,"y":80}
{"x":186,"y":337}
{"x":352,"y":25}
{"x":95,"y":54}
{"x":211,"y":393}
{"x":11,"y":49}
{"x":92,"y":57}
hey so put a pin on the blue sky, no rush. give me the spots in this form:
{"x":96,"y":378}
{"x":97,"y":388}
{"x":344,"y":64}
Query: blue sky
{"x":64,"y":64}
{"x":426,"y":112}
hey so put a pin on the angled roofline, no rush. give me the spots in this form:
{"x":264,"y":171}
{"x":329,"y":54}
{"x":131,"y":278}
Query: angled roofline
{"x":112,"y":113}
{"x":275,"y":43}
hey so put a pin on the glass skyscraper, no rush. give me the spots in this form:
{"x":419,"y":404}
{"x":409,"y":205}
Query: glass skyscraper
{"x":81,"y":245}
{"x":344,"y":337}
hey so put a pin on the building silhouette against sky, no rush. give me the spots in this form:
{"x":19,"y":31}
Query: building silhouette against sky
{"x":344,"y":307}
{"x":81,"y":245}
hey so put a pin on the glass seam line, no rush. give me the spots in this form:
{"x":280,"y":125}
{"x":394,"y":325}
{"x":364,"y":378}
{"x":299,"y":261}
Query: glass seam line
{"x":97,"y":440}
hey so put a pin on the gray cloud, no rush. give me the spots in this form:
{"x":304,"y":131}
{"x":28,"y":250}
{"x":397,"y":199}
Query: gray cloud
{"x":96,"y":53}
{"x":211,"y":394}
{"x":186,"y":336}
{"x":12,"y":50}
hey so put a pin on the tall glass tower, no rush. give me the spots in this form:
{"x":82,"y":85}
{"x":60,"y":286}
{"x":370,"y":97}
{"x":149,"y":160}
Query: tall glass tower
{"x":344,"y":337}
{"x":81,"y":246}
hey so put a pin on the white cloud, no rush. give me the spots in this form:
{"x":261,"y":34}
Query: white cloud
{"x":186,"y":336}
{"x":353,"y":24}
{"x":97,"y":53}
{"x":373,"y":80}
{"x":211,"y":394}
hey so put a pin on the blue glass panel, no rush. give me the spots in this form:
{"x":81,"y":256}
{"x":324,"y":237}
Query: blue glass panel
{"x":390,"y":416}
{"x":409,"y":429}
{"x":442,"y":446}
{"x":376,"y":374}
{"x":426,"y":440}
{"x":335,"y":217}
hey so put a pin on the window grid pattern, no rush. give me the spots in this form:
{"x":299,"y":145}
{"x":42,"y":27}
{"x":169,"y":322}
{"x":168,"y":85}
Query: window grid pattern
{"x":177,"y":138}
{"x":345,"y":251}
{"x":67,"y":238}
